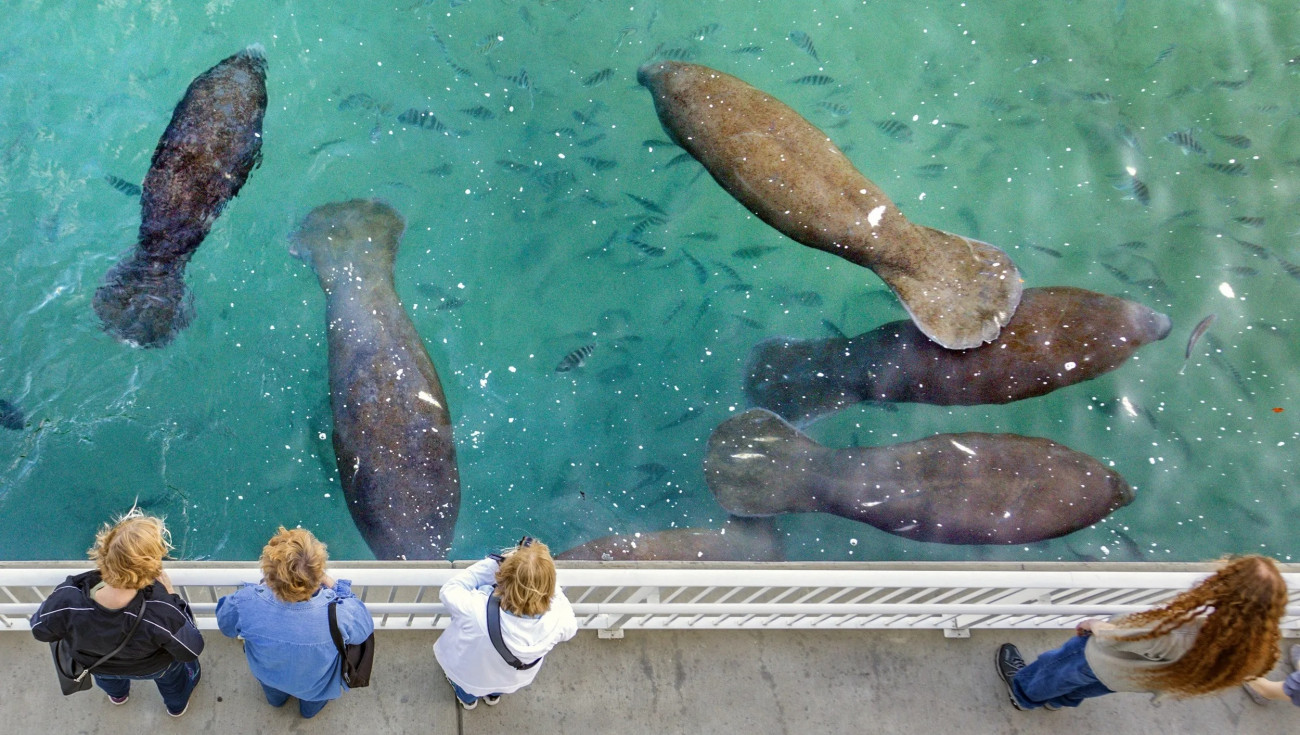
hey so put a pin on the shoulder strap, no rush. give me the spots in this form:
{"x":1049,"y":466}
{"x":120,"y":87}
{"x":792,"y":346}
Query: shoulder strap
{"x":334,"y":629}
{"x":138,"y":616}
{"x":494,"y":632}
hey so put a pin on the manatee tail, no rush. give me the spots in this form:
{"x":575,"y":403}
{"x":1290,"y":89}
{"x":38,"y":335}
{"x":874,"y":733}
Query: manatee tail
{"x":360,"y":233}
{"x":792,"y":378}
{"x":753,"y":465}
{"x":963,"y":294}
{"x":144,"y":302}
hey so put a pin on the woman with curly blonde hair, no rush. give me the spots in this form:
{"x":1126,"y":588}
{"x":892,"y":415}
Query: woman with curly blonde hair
{"x":94,"y":612}
{"x":514,"y":598}
{"x":284,"y":622}
{"x":1216,"y":635}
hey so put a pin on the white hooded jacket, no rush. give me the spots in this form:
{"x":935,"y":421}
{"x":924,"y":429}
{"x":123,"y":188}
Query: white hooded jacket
{"x":464,"y":649}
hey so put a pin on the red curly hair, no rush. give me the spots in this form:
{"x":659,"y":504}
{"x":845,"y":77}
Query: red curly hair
{"x":1241,"y":606}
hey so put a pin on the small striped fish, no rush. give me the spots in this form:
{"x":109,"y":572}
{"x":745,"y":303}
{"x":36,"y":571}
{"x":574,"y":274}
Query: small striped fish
{"x":813,"y":80}
{"x":1135,"y":188}
{"x":1245,"y":221}
{"x":930,"y":170}
{"x":1133,"y":245}
{"x":645,"y":248}
{"x":678,"y":159}
{"x":479,"y":112}
{"x":834,"y":108}
{"x":599,"y":164}
{"x":895,"y":129}
{"x":704,"y":31}
{"x":753,"y":252}
{"x":750,"y":50}
{"x":805,"y":43}
{"x":1236,"y":141}
{"x":1186,"y":141}
{"x":575,"y":359}
{"x":1232,"y":168}
{"x":598,"y":78}
{"x":124,"y":186}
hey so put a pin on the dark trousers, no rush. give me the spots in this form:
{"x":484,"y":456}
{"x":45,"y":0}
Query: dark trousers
{"x":277,"y":698}
{"x":1061,"y":677}
{"x":175,"y":683}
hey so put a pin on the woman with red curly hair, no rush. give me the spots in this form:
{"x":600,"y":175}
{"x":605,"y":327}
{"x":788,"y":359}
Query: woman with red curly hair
{"x":1214,"y":636}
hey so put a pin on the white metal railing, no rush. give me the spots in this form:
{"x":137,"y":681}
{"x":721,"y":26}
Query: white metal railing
{"x":613,"y":597}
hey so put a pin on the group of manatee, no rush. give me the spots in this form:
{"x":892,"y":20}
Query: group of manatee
{"x":974,"y":338}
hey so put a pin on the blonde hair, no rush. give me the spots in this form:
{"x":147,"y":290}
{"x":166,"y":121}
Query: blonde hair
{"x":526,"y":580}
{"x":1242,"y":605}
{"x":129,"y":551}
{"x":293,"y":564}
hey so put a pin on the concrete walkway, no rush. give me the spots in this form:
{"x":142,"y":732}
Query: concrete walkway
{"x":647,"y":683}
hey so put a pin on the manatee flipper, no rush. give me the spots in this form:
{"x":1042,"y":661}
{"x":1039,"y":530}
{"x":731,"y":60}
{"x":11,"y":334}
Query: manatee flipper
{"x":949,"y":488}
{"x":787,"y":172}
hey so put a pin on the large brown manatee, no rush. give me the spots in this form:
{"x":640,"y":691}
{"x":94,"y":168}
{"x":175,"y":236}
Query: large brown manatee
{"x":949,"y":488}
{"x":1059,"y":336}
{"x":739,"y":539}
{"x":392,"y":429}
{"x":959,"y":291}
{"x":202,"y":160}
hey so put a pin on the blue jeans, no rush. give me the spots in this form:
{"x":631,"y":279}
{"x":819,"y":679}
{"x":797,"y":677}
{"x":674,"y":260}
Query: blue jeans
{"x":1061,"y":677}
{"x":175,"y":683}
{"x":465,"y":696}
{"x":307,"y":709}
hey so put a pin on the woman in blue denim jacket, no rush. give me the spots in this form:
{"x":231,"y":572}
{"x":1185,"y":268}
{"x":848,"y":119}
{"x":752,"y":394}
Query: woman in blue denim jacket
{"x":285,"y":625}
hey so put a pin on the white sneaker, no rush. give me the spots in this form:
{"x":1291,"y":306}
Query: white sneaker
{"x":492,"y":700}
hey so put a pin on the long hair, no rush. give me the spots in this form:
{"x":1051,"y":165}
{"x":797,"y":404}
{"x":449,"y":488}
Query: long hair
{"x":1241,"y":606}
{"x":526,"y":580}
{"x":293,"y":564}
{"x":129,"y":552}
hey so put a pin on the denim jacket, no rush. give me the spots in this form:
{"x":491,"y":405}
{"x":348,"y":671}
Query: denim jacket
{"x":288,"y":644}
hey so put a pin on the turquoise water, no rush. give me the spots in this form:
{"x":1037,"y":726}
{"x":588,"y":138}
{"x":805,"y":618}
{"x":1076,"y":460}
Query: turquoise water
{"x":508,"y":263}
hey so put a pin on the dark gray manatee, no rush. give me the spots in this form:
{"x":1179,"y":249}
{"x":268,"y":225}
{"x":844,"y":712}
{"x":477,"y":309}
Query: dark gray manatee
{"x":739,"y":539}
{"x":1059,"y":336}
{"x":787,"y":172}
{"x":392,"y":429}
{"x":949,"y":488}
{"x":204,"y":157}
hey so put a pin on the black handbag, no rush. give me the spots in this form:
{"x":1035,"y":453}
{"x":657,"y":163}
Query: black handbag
{"x":356,"y":659}
{"x":73,"y":677}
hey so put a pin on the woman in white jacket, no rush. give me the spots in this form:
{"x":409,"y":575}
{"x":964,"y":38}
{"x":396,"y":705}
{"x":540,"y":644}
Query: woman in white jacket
{"x":534,"y":616}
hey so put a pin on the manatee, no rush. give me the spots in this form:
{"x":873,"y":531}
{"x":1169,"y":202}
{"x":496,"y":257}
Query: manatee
{"x":959,"y":291}
{"x":1059,"y":336}
{"x":740,"y":539}
{"x":949,"y":488}
{"x":203,"y":159}
{"x":392,"y":430}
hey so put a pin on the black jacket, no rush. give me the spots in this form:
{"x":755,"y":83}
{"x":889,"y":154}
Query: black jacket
{"x":166,"y":634}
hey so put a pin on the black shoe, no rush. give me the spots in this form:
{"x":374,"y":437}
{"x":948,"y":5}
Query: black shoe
{"x":1009,"y":662}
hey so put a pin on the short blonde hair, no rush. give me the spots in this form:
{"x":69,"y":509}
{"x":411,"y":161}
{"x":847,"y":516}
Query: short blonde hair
{"x":526,"y":580}
{"x":293,"y":564}
{"x":129,"y":551}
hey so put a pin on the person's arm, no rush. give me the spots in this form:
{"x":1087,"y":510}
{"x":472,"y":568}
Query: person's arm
{"x":183,"y":640}
{"x":228,"y":616}
{"x":458,"y":594}
{"x":1092,"y":625}
{"x":355,"y":623}
{"x":46,"y":626}
{"x":560,"y":605}
{"x":1268,"y":689}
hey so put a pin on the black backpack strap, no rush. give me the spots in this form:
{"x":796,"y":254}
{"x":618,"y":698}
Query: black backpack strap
{"x":494,"y":632}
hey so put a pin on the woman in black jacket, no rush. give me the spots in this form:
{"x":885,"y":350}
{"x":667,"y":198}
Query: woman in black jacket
{"x":93,"y":612}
